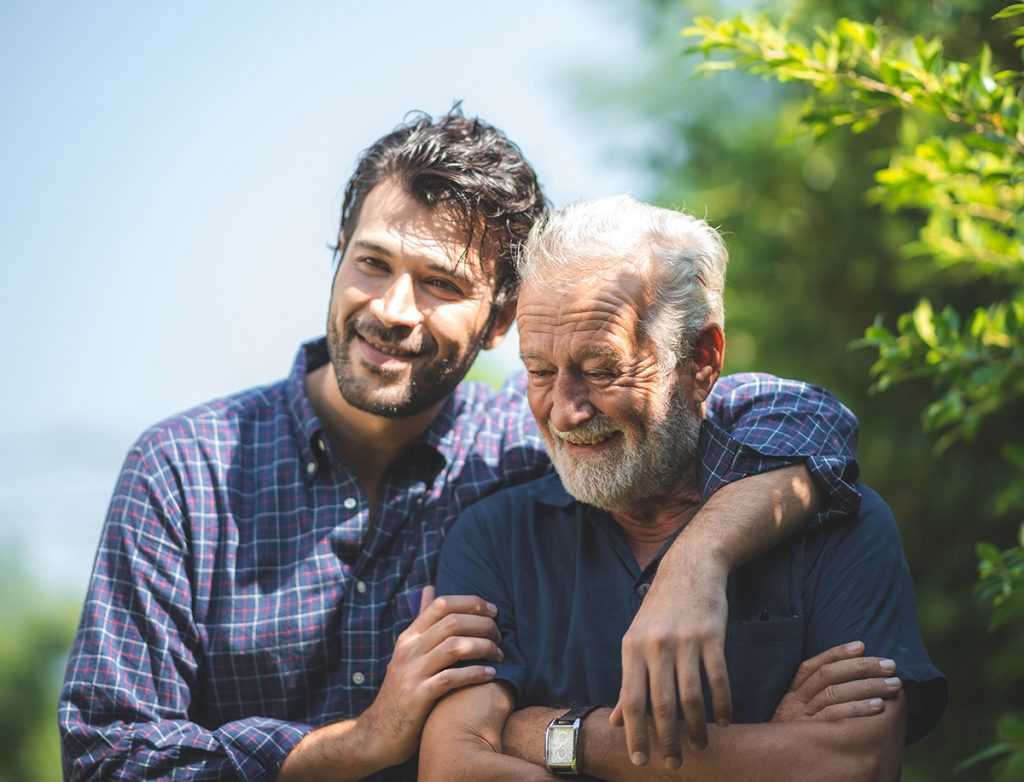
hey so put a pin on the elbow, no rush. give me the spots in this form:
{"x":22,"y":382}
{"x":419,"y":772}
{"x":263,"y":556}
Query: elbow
{"x":878,"y":755}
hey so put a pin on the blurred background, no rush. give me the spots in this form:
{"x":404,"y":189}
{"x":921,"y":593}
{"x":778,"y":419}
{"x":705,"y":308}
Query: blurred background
{"x":170,"y":180}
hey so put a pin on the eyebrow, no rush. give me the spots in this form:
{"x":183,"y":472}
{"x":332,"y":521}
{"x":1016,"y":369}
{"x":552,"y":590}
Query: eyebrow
{"x":380,"y":249}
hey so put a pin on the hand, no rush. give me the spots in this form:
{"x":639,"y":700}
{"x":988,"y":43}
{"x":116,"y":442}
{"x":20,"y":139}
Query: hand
{"x":447,"y":630}
{"x":680,"y":624}
{"x":839,"y":683}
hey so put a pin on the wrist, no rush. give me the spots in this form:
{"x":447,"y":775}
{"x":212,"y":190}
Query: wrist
{"x":563,"y":745}
{"x":691,"y":559}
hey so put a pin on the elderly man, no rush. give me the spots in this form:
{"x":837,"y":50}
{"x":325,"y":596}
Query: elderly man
{"x":620,"y":319}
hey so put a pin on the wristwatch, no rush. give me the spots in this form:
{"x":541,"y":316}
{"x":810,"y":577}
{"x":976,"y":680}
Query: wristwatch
{"x":561,"y":742}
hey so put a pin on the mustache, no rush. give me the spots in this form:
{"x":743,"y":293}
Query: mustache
{"x":600,"y":425}
{"x":398,"y":338}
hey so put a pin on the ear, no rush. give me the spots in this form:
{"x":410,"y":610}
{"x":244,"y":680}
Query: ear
{"x":708,"y":355}
{"x":502,"y":323}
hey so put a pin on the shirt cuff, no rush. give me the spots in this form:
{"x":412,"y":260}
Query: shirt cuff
{"x":723,"y":459}
{"x":257,"y":746}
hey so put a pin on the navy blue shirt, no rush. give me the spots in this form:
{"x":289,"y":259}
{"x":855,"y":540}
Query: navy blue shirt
{"x":567,"y":587}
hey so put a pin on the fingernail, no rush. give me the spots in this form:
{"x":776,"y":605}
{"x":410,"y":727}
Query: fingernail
{"x":892,"y":681}
{"x":489,"y":670}
{"x":501,"y":655}
{"x":723,"y":722}
{"x":887,"y":665}
{"x":875,"y":703}
{"x":672,"y":762}
{"x":492,"y":608}
{"x":855,"y":646}
{"x":638,"y":759}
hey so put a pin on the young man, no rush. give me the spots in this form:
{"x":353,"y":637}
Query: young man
{"x":260,"y":605}
{"x":621,"y":367}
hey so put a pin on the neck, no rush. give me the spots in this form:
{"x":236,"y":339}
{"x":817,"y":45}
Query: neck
{"x":648,"y":523}
{"x":369,"y":443}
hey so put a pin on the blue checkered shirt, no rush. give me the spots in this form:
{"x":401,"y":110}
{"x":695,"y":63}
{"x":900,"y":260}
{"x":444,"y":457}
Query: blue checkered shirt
{"x":240,"y":597}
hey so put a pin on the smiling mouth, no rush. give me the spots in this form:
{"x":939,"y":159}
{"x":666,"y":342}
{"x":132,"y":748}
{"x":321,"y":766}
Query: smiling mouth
{"x":390,"y":350}
{"x":596,"y":439}
{"x":379,"y":352}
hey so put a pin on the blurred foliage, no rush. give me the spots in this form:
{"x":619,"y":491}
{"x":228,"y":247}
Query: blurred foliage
{"x":876,"y":171}
{"x":37,"y":631}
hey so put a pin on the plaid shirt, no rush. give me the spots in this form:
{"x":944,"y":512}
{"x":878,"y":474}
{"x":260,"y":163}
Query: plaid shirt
{"x":240,"y":596}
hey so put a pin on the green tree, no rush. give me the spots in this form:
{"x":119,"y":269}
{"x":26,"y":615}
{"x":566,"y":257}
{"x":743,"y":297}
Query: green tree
{"x":820,"y":247}
{"x":34,"y":645}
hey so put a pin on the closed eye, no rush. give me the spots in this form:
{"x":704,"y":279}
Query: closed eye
{"x":446,"y":286}
{"x":371,"y":264}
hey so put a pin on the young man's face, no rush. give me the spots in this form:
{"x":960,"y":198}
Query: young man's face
{"x":408,"y":312}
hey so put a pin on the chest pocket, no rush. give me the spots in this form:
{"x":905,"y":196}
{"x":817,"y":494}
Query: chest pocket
{"x":762,"y":657}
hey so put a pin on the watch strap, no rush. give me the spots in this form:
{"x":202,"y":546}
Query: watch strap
{"x":575,"y":713}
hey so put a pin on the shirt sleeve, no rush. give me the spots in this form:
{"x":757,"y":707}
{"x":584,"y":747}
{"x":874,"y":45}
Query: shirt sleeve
{"x":470,"y":565}
{"x":134,"y":668}
{"x":858,"y":587}
{"x":756,"y":422}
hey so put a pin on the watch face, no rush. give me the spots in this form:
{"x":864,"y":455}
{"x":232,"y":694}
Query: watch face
{"x":560,"y":745}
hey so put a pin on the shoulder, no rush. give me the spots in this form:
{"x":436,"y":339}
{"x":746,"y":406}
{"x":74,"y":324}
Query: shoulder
{"x":513,"y":512}
{"x":733,"y":394}
{"x":476,"y":400}
{"x":214,"y":425}
{"x":873,"y":525}
{"x":867,"y":542}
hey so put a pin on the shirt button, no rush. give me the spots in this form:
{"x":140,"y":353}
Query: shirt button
{"x":349,"y":503}
{"x":358,"y":678}
{"x":641,"y":591}
{"x":320,"y":444}
{"x":311,"y":469}
{"x":361,"y":587}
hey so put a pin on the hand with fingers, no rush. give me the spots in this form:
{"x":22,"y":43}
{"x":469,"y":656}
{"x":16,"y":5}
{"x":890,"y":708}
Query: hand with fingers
{"x":839,"y":683}
{"x":662,"y":654}
{"x":447,"y":630}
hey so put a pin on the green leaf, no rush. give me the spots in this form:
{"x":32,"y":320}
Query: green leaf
{"x":1011,"y":10}
{"x":986,"y":754}
{"x":923,"y":316}
{"x":990,"y":554}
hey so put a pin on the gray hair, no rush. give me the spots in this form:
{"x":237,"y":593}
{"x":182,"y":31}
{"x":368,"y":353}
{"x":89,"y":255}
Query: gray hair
{"x":680,"y":259}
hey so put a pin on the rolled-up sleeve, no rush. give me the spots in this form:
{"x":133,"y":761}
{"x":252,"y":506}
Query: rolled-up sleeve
{"x":124,"y":710}
{"x":756,"y":422}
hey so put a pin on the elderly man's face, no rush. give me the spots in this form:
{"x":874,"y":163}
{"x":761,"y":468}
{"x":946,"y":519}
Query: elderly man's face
{"x":617,"y":429}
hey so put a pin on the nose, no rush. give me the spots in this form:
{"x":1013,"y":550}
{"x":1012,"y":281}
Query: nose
{"x":570,"y":404}
{"x":397,"y":305}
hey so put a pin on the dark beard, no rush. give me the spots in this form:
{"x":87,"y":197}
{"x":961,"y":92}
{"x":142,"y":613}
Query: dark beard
{"x":434,"y":383}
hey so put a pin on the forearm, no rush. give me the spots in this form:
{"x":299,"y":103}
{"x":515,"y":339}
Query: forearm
{"x":746,"y":518}
{"x":243,"y":750}
{"x":341,"y":752}
{"x":462,"y":739}
{"x":861,"y":748}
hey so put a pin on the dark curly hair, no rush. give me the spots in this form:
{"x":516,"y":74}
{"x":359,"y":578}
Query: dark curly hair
{"x":459,"y":163}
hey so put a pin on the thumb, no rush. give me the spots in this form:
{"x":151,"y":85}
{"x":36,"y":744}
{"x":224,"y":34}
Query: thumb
{"x":615,"y":718}
{"x":426,"y":598}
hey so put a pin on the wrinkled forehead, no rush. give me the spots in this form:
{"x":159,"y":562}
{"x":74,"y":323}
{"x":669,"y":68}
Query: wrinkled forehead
{"x":589,"y":316}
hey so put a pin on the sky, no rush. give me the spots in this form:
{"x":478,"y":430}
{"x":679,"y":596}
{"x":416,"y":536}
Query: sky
{"x":170,"y":180}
